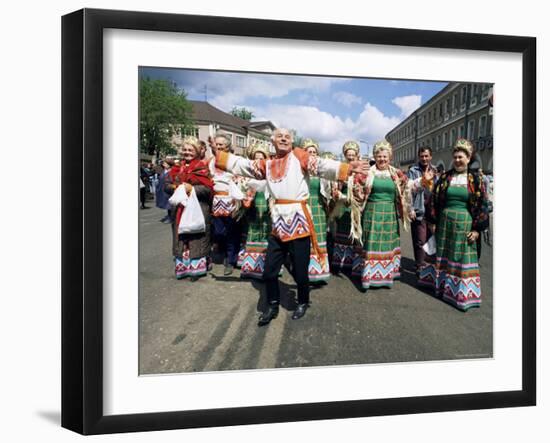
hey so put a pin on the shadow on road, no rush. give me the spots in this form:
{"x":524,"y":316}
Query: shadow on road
{"x":408,"y":276}
{"x":288,"y":295}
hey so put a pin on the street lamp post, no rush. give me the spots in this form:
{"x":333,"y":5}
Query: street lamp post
{"x":367,"y":145}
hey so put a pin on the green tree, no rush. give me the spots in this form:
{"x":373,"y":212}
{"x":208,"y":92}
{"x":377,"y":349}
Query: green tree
{"x":163,"y":112}
{"x":243,"y":113}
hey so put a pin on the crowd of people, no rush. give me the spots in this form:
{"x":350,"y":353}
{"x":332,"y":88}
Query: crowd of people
{"x":319,"y":216}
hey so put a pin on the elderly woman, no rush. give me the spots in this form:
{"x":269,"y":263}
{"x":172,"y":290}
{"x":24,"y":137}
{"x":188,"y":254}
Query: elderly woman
{"x":252,"y":259}
{"x":319,"y":193}
{"x":388,"y":199}
{"x":191,"y":251}
{"x":227,"y":230}
{"x":345,"y":216}
{"x":458,"y":207}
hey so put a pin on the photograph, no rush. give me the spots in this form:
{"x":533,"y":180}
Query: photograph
{"x":272,"y":221}
{"x":290,"y":220}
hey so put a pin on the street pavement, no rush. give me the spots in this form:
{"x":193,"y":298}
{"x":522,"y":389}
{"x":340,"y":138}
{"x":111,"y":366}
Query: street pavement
{"x":211,"y":324}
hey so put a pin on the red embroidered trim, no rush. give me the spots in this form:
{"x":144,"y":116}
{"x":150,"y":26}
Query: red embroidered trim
{"x":278,"y":168}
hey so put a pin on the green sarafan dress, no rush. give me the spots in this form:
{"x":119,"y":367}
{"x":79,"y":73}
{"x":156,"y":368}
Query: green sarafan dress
{"x":318,"y":270}
{"x":454,"y":273}
{"x":381,"y":242}
{"x":259,"y":228}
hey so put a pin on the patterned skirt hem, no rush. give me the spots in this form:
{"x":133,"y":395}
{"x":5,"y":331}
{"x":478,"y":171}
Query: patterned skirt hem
{"x":185,"y":267}
{"x":318,"y":270}
{"x":462,"y":293}
{"x":381,"y":273}
{"x":462,"y":306}
{"x":252,"y":264}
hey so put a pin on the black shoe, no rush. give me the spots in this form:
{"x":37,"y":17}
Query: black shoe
{"x":228,"y":270}
{"x":300,"y":311}
{"x":268,"y":315}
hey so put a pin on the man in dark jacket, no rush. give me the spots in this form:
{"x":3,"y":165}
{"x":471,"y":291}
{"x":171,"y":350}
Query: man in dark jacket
{"x":420,"y":229}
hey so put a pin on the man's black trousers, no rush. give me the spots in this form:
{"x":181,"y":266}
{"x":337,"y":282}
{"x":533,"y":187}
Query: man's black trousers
{"x":277,"y":251}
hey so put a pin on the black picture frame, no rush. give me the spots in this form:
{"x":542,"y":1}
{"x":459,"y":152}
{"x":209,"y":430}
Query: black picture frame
{"x":82,"y":218}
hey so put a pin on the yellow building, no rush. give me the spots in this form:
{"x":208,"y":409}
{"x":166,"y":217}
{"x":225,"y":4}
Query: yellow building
{"x":210,"y":120}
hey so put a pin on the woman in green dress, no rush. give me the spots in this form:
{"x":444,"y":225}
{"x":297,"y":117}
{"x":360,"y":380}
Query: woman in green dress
{"x":319,"y":193}
{"x":459,"y":208}
{"x":388,"y":199}
{"x":252,"y":258}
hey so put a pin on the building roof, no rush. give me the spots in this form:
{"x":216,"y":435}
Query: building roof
{"x":204,"y":111}
{"x":263,"y":123}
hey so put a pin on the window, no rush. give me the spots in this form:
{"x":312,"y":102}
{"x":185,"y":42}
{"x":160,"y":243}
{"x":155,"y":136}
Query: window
{"x":471,"y":129}
{"x":438,"y":146}
{"x":483,"y":126}
{"x":241,"y":141}
{"x":454,"y":102}
{"x":190,"y":132}
{"x":463,"y":95}
{"x":453,"y":137}
{"x":445,"y":141}
{"x":473,"y":97}
{"x":461,"y":131}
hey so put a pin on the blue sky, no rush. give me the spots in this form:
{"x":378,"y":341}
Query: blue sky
{"x":330,"y":110}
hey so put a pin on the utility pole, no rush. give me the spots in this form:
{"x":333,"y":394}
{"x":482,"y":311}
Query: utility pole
{"x":468,"y":96}
{"x":367,"y":145}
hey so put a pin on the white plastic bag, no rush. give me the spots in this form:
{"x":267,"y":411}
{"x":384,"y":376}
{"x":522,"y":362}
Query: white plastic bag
{"x":179,"y":196}
{"x":192,"y":219}
{"x":430,"y":246}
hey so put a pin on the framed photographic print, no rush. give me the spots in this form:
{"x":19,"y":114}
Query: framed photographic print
{"x":270,"y":221}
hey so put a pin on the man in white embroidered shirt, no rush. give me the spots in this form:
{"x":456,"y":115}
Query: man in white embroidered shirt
{"x":292,"y":226}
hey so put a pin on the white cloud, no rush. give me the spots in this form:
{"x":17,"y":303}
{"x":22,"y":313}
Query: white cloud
{"x":407,"y":104}
{"x":224,"y":90}
{"x":331,"y":131}
{"x":373,"y":125}
{"x":346,"y":98}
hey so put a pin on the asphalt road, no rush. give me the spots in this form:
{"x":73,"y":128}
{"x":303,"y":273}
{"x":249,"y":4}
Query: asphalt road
{"x":211,"y":324}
